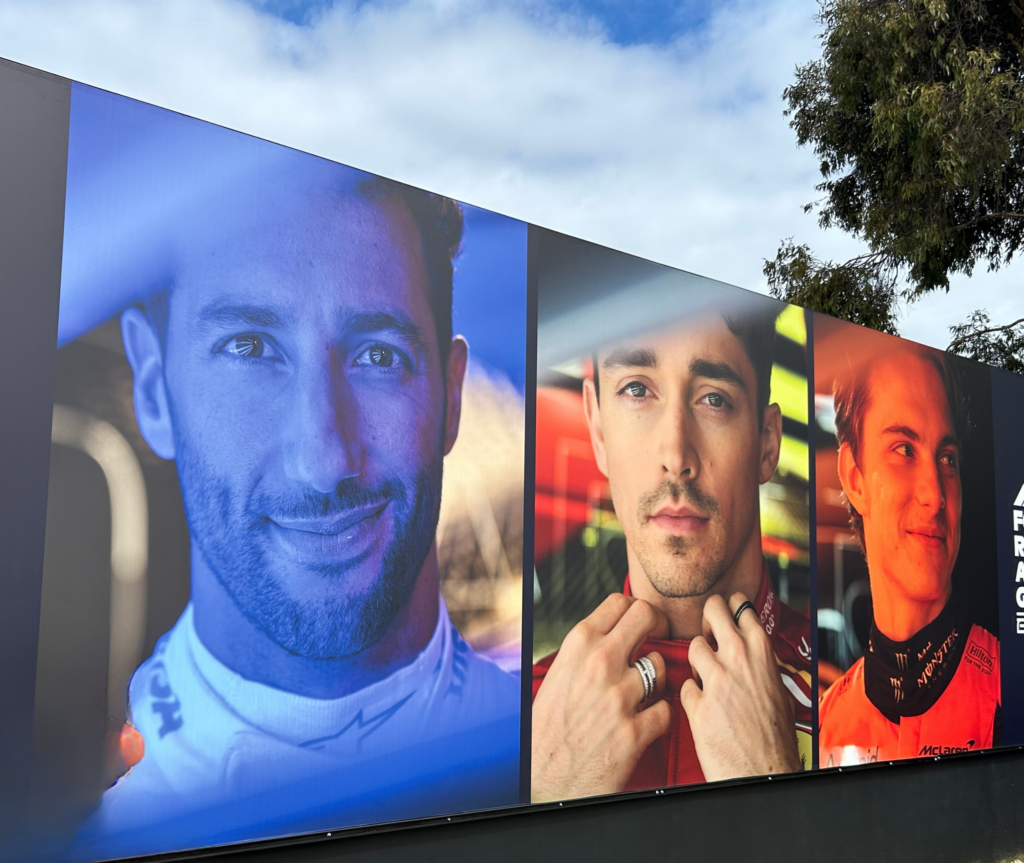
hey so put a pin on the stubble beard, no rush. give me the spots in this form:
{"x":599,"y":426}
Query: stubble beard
{"x":678,"y":567}
{"x":228,"y":526}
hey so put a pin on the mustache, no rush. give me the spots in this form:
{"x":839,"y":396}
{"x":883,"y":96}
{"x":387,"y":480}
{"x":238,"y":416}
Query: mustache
{"x":677,"y":492}
{"x":349,"y":494}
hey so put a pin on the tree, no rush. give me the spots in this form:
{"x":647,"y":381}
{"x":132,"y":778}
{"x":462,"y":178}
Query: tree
{"x":916,"y":112}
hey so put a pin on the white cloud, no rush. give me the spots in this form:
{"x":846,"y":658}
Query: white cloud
{"x":680,"y":154}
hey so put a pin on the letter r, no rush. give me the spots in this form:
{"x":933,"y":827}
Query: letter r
{"x":1018,"y":545}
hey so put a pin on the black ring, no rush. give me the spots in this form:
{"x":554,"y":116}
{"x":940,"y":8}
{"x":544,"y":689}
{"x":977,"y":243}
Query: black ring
{"x":743,"y":607}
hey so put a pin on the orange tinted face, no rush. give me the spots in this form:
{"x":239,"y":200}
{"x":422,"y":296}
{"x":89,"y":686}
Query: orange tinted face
{"x":678,"y":438}
{"x":910,"y":464}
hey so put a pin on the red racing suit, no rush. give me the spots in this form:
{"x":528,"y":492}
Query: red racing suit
{"x":672,"y":759}
{"x":963,"y":718}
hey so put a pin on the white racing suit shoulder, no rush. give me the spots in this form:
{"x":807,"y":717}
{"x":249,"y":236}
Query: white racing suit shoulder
{"x":229,"y":760}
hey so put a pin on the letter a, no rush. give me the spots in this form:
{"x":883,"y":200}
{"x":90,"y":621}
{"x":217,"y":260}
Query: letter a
{"x":1020,"y":571}
{"x":1020,"y":497}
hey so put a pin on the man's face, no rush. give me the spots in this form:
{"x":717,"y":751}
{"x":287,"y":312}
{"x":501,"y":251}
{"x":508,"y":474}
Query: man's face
{"x":307,"y":398}
{"x":909,"y":476}
{"x":677,"y":434}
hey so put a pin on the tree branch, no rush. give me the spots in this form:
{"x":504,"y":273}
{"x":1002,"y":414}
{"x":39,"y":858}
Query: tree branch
{"x":953,"y":345}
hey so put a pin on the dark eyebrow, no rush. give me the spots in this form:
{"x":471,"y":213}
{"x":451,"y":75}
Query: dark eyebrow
{"x":902,"y":431}
{"x":717,"y":372}
{"x":270,"y":317}
{"x":643,"y":358}
{"x":395,"y":322}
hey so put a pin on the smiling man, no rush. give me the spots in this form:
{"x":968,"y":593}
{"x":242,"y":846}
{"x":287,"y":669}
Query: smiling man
{"x":682,"y":425}
{"x":929,"y":681}
{"x":301,"y":371}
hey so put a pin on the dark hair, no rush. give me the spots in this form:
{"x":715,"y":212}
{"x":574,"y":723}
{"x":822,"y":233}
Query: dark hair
{"x":756,"y":332}
{"x":852,"y":398}
{"x":439,"y":221}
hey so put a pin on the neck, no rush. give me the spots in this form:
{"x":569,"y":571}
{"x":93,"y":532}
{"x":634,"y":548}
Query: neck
{"x":245,"y":648}
{"x":686,"y":614}
{"x":897,"y":615}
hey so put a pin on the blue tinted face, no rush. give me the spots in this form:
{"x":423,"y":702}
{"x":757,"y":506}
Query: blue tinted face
{"x":307,"y":398}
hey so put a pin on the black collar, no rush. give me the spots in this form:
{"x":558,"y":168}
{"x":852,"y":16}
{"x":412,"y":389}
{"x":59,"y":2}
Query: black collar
{"x":905,"y":678}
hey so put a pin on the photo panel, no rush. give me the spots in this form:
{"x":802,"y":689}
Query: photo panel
{"x":283,"y":570}
{"x":908,"y":628}
{"x":1007,"y":423}
{"x":672,"y":464}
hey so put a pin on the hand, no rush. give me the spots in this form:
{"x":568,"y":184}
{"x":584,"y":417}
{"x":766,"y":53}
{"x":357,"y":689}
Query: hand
{"x":590,"y":722}
{"x":740,"y":714}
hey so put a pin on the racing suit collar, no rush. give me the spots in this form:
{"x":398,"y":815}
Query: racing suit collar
{"x":906,"y":678}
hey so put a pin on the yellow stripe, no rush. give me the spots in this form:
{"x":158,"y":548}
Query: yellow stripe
{"x":792,"y":325}
{"x":789,"y":391}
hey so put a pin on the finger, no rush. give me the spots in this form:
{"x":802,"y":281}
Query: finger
{"x":690,"y":696}
{"x":635,"y":679}
{"x":718,"y":618}
{"x":640,"y":622}
{"x":603,"y":618}
{"x":748,"y":622}
{"x":652,"y":723}
{"x":703,"y":661}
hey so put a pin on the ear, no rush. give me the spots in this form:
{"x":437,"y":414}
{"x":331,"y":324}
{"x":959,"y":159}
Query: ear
{"x":152,"y":407}
{"x":851,"y":479}
{"x":592,"y":411}
{"x":771,"y":443}
{"x":455,"y":375}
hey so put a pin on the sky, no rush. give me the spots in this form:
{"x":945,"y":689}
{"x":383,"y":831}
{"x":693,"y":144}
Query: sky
{"x":650,"y":126}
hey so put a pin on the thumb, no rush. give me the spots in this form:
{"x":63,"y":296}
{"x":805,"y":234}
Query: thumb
{"x":690,"y":696}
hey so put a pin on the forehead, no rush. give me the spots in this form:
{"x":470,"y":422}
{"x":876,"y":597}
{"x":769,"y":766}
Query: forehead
{"x":318,"y":255}
{"x":907,"y":391}
{"x":673,"y":350}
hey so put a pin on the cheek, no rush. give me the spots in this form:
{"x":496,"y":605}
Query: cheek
{"x":229,"y":423}
{"x":888,"y":492}
{"x":400,"y":424}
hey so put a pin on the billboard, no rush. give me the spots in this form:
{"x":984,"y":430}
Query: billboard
{"x":347,"y":504}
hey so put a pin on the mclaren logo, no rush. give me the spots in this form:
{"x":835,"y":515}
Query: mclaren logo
{"x":946,"y":750}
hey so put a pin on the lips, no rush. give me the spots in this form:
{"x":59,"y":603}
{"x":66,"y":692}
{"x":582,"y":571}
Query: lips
{"x":679,"y":520}
{"x":931,"y":535}
{"x":330,"y":539}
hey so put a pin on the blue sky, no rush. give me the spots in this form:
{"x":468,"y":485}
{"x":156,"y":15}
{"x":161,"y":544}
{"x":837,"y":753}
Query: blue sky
{"x":624,"y":22}
{"x":648,"y":126}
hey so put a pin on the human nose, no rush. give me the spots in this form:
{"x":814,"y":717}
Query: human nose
{"x":676,"y":441}
{"x":929,"y":490}
{"x":323,"y":446}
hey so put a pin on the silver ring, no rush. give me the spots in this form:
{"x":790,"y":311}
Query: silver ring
{"x":647,"y":674}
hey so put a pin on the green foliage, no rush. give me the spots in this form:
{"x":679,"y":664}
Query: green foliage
{"x":916,"y":110}
{"x":860,"y":291}
{"x":1001,"y":346}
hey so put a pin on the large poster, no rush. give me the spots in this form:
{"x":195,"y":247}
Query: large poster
{"x":908,"y":616}
{"x":366,"y":505}
{"x":282,"y":579}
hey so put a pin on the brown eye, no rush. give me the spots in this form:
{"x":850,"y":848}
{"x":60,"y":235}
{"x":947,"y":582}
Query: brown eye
{"x":382,"y":356}
{"x":635,"y":389}
{"x":246,"y":346}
